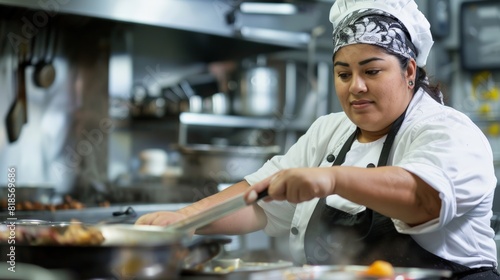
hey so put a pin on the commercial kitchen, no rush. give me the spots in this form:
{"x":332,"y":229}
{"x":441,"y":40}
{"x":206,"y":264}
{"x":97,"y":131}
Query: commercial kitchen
{"x":113,"y":109}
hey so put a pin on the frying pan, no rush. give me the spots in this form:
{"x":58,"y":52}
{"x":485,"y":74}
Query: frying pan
{"x":128,"y":250}
{"x":145,"y":252}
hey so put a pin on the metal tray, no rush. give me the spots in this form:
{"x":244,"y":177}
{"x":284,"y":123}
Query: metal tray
{"x":348,"y":272}
{"x":234,"y":266}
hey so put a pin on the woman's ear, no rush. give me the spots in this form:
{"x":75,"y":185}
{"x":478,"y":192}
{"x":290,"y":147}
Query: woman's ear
{"x":411,"y":70}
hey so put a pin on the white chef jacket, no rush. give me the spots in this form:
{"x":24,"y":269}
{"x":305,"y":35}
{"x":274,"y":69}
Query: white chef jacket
{"x":435,"y":142}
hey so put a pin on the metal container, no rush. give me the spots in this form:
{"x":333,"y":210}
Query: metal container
{"x":219,"y":266}
{"x":355,"y":272}
{"x":258,"y":91}
{"x":351,"y":272}
{"x":223,"y":164}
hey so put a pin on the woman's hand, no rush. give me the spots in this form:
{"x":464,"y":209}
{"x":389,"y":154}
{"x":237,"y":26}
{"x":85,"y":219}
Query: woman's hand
{"x":295,"y":185}
{"x":162,"y":218}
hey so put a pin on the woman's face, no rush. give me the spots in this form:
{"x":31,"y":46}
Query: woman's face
{"x":371,"y":87}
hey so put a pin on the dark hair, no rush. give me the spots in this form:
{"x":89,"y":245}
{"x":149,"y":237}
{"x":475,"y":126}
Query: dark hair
{"x":421,"y":80}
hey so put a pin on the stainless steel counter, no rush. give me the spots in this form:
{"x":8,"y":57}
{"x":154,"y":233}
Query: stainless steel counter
{"x":93,"y":214}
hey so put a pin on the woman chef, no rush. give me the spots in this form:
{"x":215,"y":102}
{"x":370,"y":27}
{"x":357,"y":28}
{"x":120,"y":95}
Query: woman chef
{"x":396,"y":176}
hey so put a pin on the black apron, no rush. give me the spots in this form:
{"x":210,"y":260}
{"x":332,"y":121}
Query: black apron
{"x":336,"y":237}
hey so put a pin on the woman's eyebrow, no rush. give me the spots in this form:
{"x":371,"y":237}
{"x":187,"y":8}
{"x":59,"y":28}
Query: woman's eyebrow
{"x":369,"y":60}
{"x":363,"y":62}
{"x":338,"y":63}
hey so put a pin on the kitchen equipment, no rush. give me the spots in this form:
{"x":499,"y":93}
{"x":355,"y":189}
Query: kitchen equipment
{"x":196,"y":94}
{"x":144,"y":105}
{"x":195,"y":104}
{"x":223,"y":164}
{"x":28,"y":271}
{"x":153,"y":162}
{"x":219,"y":104}
{"x":258,"y":91}
{"x":220,"y":266}
{"x":213,"y":213}
{"x":128,"y":251}
{"x":350,"y":272}
{"x":480,"y":49}
{"x":17,"y":115}
{"x":439,"y":17}
{"x":45,"y":72}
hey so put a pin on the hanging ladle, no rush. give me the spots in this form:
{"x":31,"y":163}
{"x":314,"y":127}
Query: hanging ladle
{"x":45,"y":72}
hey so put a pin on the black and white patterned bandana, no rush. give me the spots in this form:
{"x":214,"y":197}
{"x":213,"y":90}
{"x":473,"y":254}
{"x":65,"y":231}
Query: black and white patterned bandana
{"x":375,"y":27}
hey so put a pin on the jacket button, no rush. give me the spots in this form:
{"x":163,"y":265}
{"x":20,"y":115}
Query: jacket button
{"x":370,"y":165}
{"x":294,"y":231}
{"x":330,"y":158}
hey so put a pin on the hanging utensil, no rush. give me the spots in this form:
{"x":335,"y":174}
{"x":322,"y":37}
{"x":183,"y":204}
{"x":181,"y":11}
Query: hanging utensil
{"x":3,"y":34}
{"x":17,"y":115}
{"x":45,"y":72}
{"x":214,"y":213}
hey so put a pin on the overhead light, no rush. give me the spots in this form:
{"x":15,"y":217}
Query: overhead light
{"x":268,"y":8}
{"x":275,"y":35}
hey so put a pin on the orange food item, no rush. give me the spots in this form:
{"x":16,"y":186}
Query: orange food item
{"x":380,"y":269}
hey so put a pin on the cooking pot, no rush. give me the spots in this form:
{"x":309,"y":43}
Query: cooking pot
{"x":258,"y":91}
{"x":224,"y":164}
{"x":128,"y":251}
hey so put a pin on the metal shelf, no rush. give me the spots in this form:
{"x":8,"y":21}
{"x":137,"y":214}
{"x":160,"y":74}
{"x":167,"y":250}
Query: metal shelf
{"x":226,"y":121}
{"x":241,"y":121}
{"x":231,"y":121}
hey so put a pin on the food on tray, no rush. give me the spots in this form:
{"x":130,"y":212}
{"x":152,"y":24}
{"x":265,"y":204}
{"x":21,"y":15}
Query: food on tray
{"x":379,"y":268}
{"x":220,"y":269}
{"x":73,"y":234}
{"x":68,"y":203}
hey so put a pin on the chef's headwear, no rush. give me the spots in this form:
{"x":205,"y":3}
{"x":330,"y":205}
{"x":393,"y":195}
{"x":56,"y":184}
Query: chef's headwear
{"x":386,"y":23}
